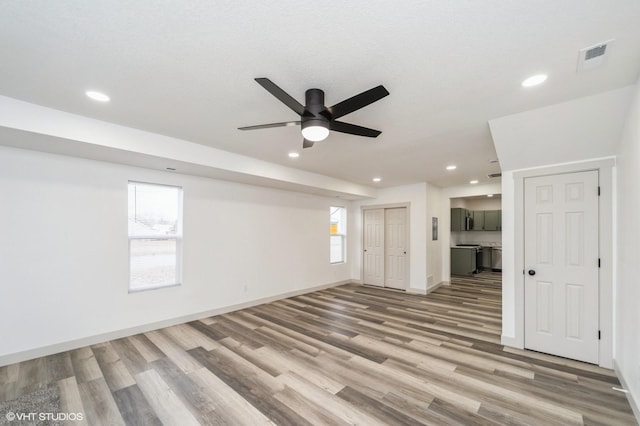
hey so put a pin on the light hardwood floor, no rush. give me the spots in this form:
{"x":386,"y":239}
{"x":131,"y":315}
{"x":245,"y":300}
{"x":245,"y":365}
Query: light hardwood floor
{"x":347,"y":355}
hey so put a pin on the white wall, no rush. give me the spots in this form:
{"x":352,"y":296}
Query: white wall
{"x":434,"y":248}
{"x":484,"y":203}
{"x":627,"y":295}
{"x":64,"y":261}
{"x":459,"y":203}
{"x":485,"y":238}
{"x":508,"y":259}
{"x":579,"y":129}
{"x":416,"y":194}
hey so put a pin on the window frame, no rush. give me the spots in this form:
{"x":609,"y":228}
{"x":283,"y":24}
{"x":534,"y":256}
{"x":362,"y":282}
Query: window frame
{"x":178,"y":237}
{"x":343,"y":235}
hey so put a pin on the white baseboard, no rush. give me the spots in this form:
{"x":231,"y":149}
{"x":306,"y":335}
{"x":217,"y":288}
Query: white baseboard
{"x":635,"y":406}
{"x":436,"y":286}
{"x":118,"y":334}
{"x":425,"y":291}
{"x":510,"y":341}
{"x":410,"y":290}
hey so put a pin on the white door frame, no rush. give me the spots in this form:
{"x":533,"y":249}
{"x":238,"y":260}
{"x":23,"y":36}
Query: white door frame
{"x":407,"y":206}
{"x":605,"y":167}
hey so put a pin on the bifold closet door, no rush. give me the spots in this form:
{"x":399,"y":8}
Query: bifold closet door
{"x":374,"y":247}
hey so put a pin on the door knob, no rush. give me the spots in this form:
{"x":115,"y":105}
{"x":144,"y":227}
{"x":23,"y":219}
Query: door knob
{"x":532,"y":272}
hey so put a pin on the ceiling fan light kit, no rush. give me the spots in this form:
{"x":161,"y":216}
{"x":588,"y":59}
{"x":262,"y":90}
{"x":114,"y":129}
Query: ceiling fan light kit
{"x":315,"y":130}
{"x":316,"y":119}
{"x":315,"y":127}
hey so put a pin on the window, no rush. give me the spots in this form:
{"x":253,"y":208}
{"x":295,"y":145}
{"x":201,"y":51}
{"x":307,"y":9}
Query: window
{"x":338,"y":234}
{"x":155,"y":236}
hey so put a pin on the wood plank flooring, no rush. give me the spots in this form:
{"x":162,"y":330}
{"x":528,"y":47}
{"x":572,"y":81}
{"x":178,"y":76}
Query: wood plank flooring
{"x":347,"y":355}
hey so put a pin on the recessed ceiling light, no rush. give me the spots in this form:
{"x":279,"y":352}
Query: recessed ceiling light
{"x":451,"y":167}
{"x":534,"y":80}
{"x":489,"y":195}
{"x":473,"y":182}
{"x":294,"y":155}
{"x":376,"y":179}
{"x":97,"y":96}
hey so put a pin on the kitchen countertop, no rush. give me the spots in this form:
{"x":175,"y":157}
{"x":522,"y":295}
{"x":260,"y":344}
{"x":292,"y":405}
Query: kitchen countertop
{"x":479,"y":245}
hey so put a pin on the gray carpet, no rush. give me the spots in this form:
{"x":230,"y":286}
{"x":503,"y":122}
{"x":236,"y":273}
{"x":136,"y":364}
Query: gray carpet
{"x":42,"y":401}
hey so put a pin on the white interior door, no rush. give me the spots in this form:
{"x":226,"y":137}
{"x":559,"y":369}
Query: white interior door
{"x":561,"y":261}
{"x":374,"y":247}
{"x":395,"y":240}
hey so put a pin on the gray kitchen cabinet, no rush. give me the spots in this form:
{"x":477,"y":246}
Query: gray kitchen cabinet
{"x":486,"y":258}
{"x":459,"y":219}
{"x":492,"y":220}
{"x":478,"y":220}
{"x":463,"y":261}
{"x":475,"y":220}
{"x":496,"y":259}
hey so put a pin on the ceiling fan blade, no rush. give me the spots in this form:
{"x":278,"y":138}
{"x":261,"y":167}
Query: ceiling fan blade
{"x":266,"y":126}
{"x":282,"y":96}
{"x":358,"y":101}
{"x":352,"y":129}
{"x":307,"y":143}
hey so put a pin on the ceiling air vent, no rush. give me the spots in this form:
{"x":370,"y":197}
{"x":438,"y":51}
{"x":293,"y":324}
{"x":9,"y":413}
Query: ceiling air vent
{"x":495,"y":175}
{"x":593,"y":56}
{"x":595,"y":52}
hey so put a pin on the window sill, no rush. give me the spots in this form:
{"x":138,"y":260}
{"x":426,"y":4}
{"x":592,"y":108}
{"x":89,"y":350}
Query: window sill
{"x":155,"y":287}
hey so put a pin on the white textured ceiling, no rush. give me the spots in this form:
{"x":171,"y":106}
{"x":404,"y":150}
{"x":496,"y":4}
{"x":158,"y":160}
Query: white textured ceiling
{"x":185,"y":69}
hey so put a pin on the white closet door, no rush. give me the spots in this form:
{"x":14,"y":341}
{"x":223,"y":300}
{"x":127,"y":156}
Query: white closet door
{"x":374,"y":247}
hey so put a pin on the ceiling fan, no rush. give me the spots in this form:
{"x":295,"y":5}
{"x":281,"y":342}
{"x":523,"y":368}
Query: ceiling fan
{"x":317,"y":119}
